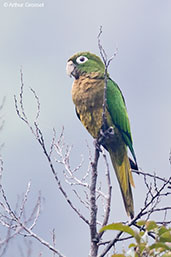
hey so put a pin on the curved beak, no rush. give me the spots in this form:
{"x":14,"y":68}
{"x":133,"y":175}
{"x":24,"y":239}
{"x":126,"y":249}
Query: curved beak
{"x":70,"y":67}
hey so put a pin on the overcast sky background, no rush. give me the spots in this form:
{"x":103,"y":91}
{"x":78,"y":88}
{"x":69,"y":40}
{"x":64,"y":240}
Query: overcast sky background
{"x":40,"y":40}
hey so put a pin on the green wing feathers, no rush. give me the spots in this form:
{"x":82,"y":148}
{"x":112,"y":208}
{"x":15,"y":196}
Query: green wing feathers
{"x":117,"y":109}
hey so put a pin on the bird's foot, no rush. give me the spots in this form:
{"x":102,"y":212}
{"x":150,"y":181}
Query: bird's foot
{"x":106,"y":135}
{"x":109,"y":132}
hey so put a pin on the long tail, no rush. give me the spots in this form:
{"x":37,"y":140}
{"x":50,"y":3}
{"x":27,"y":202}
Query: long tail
{"x":125,"y":179}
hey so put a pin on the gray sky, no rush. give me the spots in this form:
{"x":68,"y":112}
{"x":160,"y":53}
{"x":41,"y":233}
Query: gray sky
{"x":40,"y":40}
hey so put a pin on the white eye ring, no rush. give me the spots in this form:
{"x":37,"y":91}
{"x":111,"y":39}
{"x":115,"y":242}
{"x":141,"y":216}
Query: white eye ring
{"x":81,"y":59}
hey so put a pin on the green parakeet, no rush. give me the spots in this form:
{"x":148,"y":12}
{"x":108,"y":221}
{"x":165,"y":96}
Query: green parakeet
{"x":87,"y":94}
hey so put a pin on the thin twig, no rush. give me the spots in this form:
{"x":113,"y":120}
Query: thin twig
{"x":24,"y":199}
{"x":138,"y":172}
{"x":106,"y":62}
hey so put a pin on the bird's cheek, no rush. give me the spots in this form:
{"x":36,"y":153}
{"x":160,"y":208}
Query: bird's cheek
{"x":70,"y":68}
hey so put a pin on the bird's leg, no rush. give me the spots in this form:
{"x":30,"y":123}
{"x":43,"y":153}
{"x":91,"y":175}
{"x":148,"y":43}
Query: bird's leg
{"x":109,"y":133}
{"x":104,"y":136}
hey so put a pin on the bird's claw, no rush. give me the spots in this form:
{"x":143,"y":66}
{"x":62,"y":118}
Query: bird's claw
{"x":97,"y":144}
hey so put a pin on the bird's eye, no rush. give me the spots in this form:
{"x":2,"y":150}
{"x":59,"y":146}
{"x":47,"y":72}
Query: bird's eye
{"x":81,"y":59}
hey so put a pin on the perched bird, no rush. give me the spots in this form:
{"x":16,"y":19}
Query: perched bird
{"x":87,"y":94}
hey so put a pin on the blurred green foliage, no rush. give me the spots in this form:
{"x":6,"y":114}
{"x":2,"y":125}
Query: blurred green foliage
{"x":143,"y":245}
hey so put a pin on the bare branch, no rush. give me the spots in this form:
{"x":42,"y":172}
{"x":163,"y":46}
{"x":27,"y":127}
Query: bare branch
{"x":93,"y":206}
{"x":41,"y":142}
{"x":39,"y":137}
{"x":14,"y":222}
{"x":41,"y":240}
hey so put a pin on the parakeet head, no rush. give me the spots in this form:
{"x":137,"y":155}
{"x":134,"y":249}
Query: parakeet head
{"x":84,"y":63}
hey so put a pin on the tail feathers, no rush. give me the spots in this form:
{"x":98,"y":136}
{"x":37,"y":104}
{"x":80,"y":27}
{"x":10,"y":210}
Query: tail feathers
{"x":125,"y":179}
